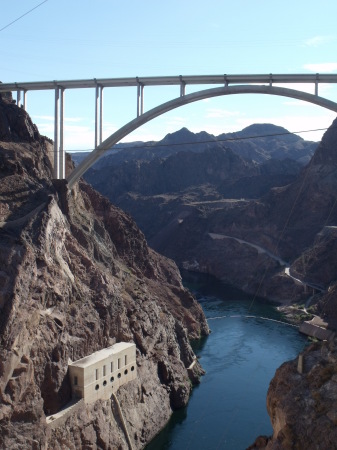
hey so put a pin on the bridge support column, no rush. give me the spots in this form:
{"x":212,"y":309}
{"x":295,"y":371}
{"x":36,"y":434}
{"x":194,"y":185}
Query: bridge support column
{"x":56,"y":133}
{"x":182,"y":86}
{"x":98,"y":115}
{"x":18,"y":98}
{"x":59,"y":159}
{"x":140,"y":99}
{"x":101,"y":115}
{"x":62,"y":168}
{"x":316,"y":84}
{"x":25,"y":100}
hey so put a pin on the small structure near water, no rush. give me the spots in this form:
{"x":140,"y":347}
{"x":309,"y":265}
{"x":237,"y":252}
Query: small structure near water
{"x":97,"y":376}
{"x":317,"y":328}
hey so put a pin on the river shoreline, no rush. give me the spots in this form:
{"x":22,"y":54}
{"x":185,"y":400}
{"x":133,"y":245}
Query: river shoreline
{"x":227,"y":410}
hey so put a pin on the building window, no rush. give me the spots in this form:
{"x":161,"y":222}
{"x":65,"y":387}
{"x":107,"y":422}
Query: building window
{"x":119,"y":363}
{"x":132,"y":368}
{"x":119,"y":375}
{"x":111,"y":366}
{"x":104,"y":383}
{"x":104,"y":371}
{"x":75,"y":381}
{"x":112,"y":379}
{"x":125,"y":371}
{"x":126,"y":360}
{"x":97,"y":387}
{"x":96,"y":374}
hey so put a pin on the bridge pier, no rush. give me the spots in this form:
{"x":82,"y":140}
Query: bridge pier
{"x":59,"y":158}
{"x":18,"y":98}
{"x":98,"y":115}
{"x":182,"y":86}
{"x":140,"y":98}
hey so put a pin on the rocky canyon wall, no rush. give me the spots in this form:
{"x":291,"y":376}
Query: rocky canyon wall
{"x":76,"y":275}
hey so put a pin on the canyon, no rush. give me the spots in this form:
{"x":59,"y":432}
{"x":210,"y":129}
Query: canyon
{"x":246,"y":211}
{"x":77,"y":276}
{"x":273,"y":240}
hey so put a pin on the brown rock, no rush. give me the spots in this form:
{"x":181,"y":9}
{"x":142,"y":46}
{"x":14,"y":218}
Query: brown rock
{"x":76,"y":275}
{"x":302,"y":407}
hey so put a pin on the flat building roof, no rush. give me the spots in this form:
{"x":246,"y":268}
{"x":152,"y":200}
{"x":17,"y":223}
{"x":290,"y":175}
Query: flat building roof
{"x":102,"y":354}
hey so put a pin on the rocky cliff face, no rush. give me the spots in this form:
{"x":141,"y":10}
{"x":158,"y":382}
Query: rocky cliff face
{"x":76,"y":275}
{"x":174,"y":174}
{"x":303,"y":406}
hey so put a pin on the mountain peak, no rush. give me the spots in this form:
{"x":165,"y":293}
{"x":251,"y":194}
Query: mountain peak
{"x":182,"y":135}
{"x":268,"y":130}
{"x":264,"y":127}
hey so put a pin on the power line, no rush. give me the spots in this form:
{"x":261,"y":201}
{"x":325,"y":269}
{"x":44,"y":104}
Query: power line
{"x":209,"y":141}
{"x":23,"y":15}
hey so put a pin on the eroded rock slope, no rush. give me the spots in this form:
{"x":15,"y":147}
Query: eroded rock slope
{"x":303,"y":404}
{"x":76,"y":275}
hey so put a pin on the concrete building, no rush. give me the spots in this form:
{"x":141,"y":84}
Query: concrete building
{"x":320,"y":333}
{"x":98,"y":375}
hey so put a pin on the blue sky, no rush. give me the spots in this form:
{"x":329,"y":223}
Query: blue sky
{"x":77,"y":39}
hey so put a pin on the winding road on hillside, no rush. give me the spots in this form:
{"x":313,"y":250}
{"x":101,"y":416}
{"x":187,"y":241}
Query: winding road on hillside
{"x":271,"y":255}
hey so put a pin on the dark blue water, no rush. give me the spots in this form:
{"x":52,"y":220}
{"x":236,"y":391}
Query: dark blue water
{"x":227,"y":410}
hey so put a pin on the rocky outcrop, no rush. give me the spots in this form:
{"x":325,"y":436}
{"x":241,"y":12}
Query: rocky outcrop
{"x":173,"y":174}
{"x":303,"y":404}
{"x":15,"y":124}
{"x":76,"y":275}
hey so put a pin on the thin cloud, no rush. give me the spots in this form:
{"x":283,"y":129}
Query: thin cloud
{"x":317,"y":41}
{"x":176,"y":121}
{"x":220,"y":113}
{"x":143,"y":137}
{"x":321,"y":67}
{"x":51,"y":118}
{"x":73,"y":119}
{"x":46,"y":129}
{"x":297,"y":103}
{"x":47,"y":118}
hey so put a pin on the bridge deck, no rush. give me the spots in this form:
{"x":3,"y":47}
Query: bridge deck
{"x":170,"y":80}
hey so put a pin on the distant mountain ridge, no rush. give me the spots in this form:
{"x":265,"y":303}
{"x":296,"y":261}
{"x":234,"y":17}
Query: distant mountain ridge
{"x":258,"y":142}
{"x":229,"y":174}
{"x":208,"y":209}
{"x":202,"y":166}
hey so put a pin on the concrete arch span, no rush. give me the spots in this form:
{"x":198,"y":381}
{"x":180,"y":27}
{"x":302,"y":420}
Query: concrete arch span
{"x":184,"y":100}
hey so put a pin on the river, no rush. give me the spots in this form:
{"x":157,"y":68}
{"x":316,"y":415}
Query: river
{"x":227,"y":411}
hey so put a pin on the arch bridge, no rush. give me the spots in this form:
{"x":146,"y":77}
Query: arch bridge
{"x":226,"y":85}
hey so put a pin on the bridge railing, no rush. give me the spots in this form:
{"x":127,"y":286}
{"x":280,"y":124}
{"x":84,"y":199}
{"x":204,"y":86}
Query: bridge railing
{"x":169,"y":80}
